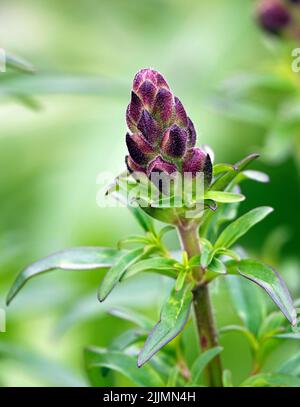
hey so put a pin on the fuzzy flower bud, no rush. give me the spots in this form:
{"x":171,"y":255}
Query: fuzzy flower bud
{"x":273,"y":16}
{"x":163,"y":136}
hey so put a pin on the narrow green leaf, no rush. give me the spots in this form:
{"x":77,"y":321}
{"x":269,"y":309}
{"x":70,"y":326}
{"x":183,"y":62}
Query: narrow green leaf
{"x":271,"y":282}
{"x":132,"y":316}
{"x":79,"y":258}
{"x":227,"y":378}
{"x":201,"y":362}
{"x":256,"y":176}
{"x":18,"y":63}
{"x":288,"y":335}
{"x":222,"y":167}
{"x":127,"y":339}
{"x":124,"y":364}
{"x":291,"y":366}
{"x":244,"y":331}
{"x":271,"y":380}
{"x":174,"y":315}
{"x":271,"y":325}
{"x":224,"y":197}
{"x":158,"y":265}
{"x":224,"y":181}
{"x":241,"y":226}
{"x":247,"y":302}
{"x":143,"y":219}
{"x":114,"y":275}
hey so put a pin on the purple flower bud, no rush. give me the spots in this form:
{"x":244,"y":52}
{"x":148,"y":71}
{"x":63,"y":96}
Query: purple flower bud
{"x":163,"y":107}
{"x":273,"y":16}
{"x":196,"y":161}
{"x":149,"y":127}
{"x":192,"y":135}
{"x":151,"y":75}
{"x":160,"y":165}
{"x":133,"y":166}
{"x":174,"y":142}
{"x":139,"y":149}
{"x":134,"y":111}
{"x":181,"y":116}
{"x":147,"y":92}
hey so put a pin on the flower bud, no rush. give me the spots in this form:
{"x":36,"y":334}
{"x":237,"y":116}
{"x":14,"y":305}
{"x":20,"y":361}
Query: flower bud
{"x":181,"y":116}
{"x":163,"y":136}
{"x":273,"y":16}
{"x":160,"y":165}
{"x":174,"y":142}
{"x":192,"y":136}
{"x":196,"y":161}
{"x":149,"y":127}
{"x":139,"y":149}
{"x":134,"y":111}
{"x":133,"y":166}
{"x":150,"y":75}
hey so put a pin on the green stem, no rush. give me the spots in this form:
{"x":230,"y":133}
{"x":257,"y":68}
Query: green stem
{"x":205,"y":324}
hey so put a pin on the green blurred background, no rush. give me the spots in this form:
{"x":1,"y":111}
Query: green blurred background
{"x":86,"y":53}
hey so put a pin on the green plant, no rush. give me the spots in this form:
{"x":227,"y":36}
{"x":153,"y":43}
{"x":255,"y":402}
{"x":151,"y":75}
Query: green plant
{"x":162,"y":143}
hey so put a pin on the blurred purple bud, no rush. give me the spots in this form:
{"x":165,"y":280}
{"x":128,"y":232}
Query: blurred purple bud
{"x":174,"y":142}
{"x":149,"y":127}
{"x":273,"y":15}
{"x":160,"y":165}
{"x":163,"y":105}
{"x":139,"y":149}
{"x":192,"y":136}
{"x":181,"y":116}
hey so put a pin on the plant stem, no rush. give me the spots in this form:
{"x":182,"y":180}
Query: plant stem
{"x":205,"y":324}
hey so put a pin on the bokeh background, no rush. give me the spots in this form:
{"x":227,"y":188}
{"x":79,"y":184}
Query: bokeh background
{"x":65,"y":124}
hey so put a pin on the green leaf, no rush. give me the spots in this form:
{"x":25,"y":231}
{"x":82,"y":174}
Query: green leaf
{"x":132,"y":316}
{"x":201,"y":362}
{"x":247,"y":302}
{"x":241,"y":226}
{"x":174,"y":315}
{"x":224,"y":181}
{"x":18,"y":63}
{"x":224,"y":197}
{"x":222,"y":167}
{"x":114,"y":275}
{"x":288,"y":335}
{"x":79,"y":258}
{"x":172,"y":379}
{"x":255,"y":176}
{"x":124,"y":364}
{"x":143,"y":219}
{"x":127,"y":339}
{"x":271,"y":282}
{"x":158,"y":265}
{"x":271,"y":380}
{"x":271,"y":325}
{"x":227,"y":378}
{"x":291,"y":366}
{"x":244,"y":331}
